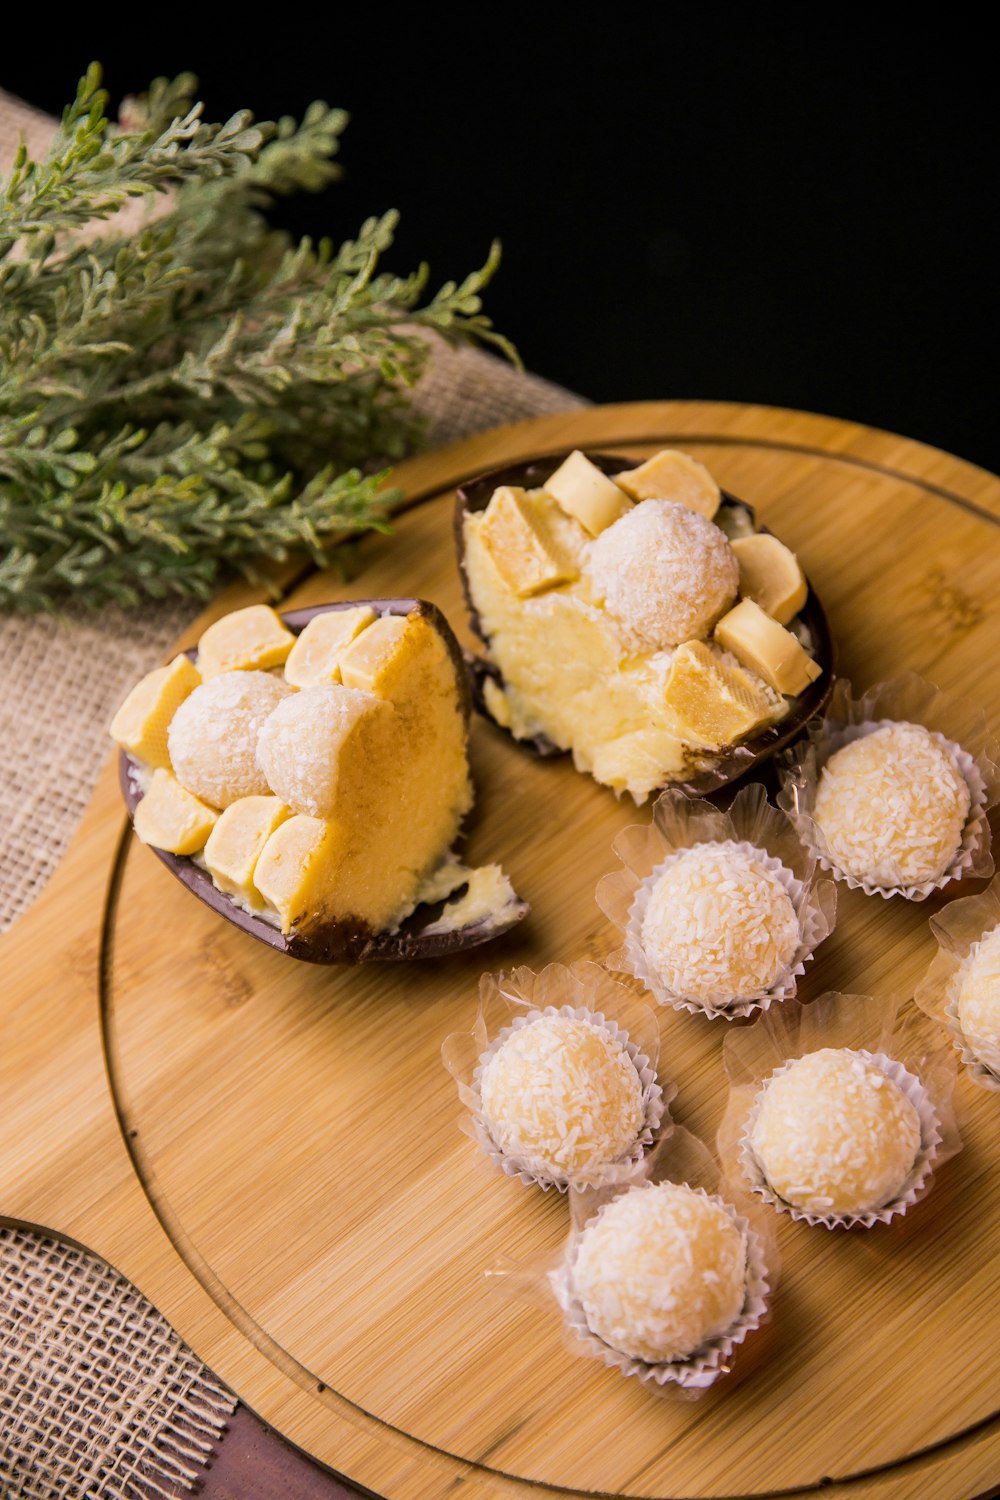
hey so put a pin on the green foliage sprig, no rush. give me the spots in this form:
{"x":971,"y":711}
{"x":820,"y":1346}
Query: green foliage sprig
{"x":202,"y":392}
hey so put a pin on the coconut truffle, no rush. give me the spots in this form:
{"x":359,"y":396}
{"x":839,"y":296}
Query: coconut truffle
{"x":834,"y":1134}
{"x":299,"y":745}
{"x":979,"y":1001}
{"x":212,"y":738}
{"x":891,"y":807}
{"x":561,"y":1097}
{"x":719,"y":926}
{"x":665,"y":573}
{"x":660,"y":1271}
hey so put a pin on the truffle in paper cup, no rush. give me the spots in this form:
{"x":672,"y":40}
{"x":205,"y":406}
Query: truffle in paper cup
{"x":676,"y":1226}
{"x":830,"y":1063}
{"x":559,"y":1076}
{"x":906,"y":813}
{"x":721,"y":962}
{"x":961,"y":989}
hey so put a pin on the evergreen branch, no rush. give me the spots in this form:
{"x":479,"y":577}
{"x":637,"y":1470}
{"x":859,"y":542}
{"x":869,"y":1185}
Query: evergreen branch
{"x":203,"y":392}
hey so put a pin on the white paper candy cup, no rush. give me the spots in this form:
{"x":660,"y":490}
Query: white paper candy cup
{"x":713,"y":1358}
{"x":959,"y":930}
{"x":751,"y":827}
{"x":897,"y":1038}
{"x":907,"y":699}
{"x":508,"y":998}
{"x":912,"y":1190}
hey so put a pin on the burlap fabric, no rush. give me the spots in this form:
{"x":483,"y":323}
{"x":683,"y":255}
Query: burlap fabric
{"x":98,"y":1396}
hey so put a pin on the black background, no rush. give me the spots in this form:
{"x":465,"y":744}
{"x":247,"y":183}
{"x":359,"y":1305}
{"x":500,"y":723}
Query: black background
{"x":747,"y":205}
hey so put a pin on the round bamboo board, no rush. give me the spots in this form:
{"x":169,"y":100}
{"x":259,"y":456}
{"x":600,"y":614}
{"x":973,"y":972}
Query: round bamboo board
{"x":270,"y":1149}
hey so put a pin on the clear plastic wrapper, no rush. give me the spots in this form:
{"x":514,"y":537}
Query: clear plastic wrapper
{"x":907,"y":699}
{"x":960,"y":929}
{"x":896,"y":1039}
{"x":583,"y":991}
{"x":753,"y":826}
{"x":681,"y":1158}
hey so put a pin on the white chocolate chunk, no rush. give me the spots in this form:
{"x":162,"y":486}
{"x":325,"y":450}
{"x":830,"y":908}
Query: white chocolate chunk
{"x":140,"y":725}
{"x":292,"y":869}
{"x":314,"y":660}
{"x":236,"y":841}
{"x":670,"y":475}
{"x":587,"y":494}
{"x":770,"y":575}
{"x":713,"y":704}
{"x":171,"y":818}
{"x":251,"y":639}
{"x":524,"y":549}
{"x":767,"y":648}
{"x":375,"y":656}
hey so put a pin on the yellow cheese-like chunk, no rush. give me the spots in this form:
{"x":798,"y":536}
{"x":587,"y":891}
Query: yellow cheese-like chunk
{"x":171,"y":818}
{"x":671,"y":475}
{"x":523,"y":547}
{"x":314,"y":660}
{"x":293,"y":868}
{"x":236,"y":841}
{"x":585,"y":492}
{"x":374,"y":658}
{"x":767,"y":648}
{"x":140,"y":725}
{"x":770,"y":575}
{"x":251,"y":639}
{"x":711,"y":703}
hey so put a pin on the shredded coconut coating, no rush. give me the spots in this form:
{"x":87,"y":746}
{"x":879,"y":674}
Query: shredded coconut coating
{"x":834,"y":1134}
{"x":666,"y":574}
{"x":212,"y":738}
{"x":719,"y":926}
{"x":979,"y":1001}
{"x":298,"y":748}
{"x":661,"y":1270}
{"x":891,"y":807}
{"x":560,"y":1096}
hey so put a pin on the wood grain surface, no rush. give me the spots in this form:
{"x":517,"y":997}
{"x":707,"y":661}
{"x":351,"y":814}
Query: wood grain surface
{"x":271,"y":1152}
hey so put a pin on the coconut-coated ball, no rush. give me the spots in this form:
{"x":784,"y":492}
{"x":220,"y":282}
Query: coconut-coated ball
{"x":212,"y":738}
{"x":665,"y":573}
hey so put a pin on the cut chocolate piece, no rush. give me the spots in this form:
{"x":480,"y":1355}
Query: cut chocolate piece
{"x":770,"y":575}
{"x":236,"y":841}
{"x":767,"y":648}
{"x":171,"y":818}
{"x":251,"y":639}
{"x":331,"y":882}
{"x":585,"y":492}
{"x":314,"y":660}
{"x":140,"y":725}
{"x":523,"y":550}
{"x":670,"y":475}
{"x":540,"y":667}
{"x":713,"y":704}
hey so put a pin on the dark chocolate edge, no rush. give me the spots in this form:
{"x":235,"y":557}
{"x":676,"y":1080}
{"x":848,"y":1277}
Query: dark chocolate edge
{"x":342,"y":942}
{"x":740,"y":759}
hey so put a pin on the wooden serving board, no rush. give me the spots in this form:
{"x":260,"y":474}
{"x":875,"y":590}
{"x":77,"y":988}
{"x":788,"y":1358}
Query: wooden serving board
{"x":270,"y":1150}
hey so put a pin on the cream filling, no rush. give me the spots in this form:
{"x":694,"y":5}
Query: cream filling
{"x":568,"y":676}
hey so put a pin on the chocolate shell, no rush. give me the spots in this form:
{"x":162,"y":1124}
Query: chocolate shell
{"x":732,"y":763}
{"x":339,"y":941}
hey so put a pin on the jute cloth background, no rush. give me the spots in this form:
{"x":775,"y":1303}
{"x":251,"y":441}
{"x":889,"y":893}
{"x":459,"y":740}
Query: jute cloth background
{"x":98,"y":1396}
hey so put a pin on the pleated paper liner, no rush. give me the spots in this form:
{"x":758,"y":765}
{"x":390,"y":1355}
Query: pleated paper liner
{"x":896,"y":1039}
{"x":584,"y":992}
{"x":907,"y":699}
{"x":683,"y":1158}
{"x":751,"y":827}
{"x":960,"y":929}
